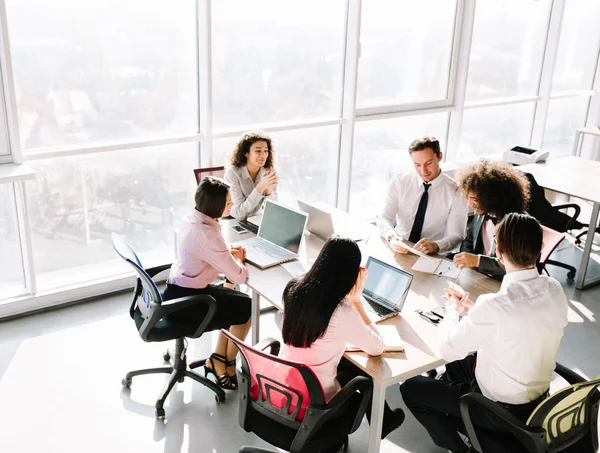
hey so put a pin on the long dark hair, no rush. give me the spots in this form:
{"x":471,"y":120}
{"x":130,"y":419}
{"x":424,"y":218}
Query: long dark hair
{"x":309,"y":302}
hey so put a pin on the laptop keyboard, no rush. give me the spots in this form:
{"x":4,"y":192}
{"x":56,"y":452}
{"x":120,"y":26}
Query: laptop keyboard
{"x":379,"y":309}
{"x":269,"y":249}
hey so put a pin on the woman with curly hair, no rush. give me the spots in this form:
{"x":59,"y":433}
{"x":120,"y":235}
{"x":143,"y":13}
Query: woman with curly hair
{"x":493,"y":189}
{"x":252,"y":175}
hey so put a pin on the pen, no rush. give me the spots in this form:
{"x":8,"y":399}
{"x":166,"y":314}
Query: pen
{"x":432,"y":319}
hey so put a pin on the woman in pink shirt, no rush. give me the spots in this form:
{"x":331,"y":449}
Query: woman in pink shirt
{"x":203,"y":254}
{"x":324,"y":313}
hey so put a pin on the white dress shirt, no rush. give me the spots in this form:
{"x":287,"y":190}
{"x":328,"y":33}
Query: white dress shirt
{"x":446,"y":216}
{"x":247,"y":201}
{"x":516,"y":334}
{"x":324,"y":355}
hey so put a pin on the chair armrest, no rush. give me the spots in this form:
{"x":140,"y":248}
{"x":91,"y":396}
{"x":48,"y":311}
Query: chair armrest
{"x":573,"y":219}
{"x":568,"y":375}
{"x":271,"y":343}
{"x":365,"y":385}
{"x":174,"y":305}
{"x":529,"y":437}
{"x":153,"y":271}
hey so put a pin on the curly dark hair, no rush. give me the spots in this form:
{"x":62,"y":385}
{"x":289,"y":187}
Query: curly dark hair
{"x":242,"y":147}
{"x":500,"y":188}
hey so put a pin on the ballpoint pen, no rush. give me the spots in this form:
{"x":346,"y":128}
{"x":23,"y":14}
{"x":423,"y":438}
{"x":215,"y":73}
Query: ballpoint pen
{"x":429,"y":317}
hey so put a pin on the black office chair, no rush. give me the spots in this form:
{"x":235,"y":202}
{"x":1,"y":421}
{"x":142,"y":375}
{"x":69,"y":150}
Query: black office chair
{"x":154,"y":320}
{"x":565,"y":421}
{"x":552,"y":217}
{"x":283,"y":403}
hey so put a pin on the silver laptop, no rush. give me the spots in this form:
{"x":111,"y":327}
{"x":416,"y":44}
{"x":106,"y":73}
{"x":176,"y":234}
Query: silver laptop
{"x":385,"y":290}
{"x":321,"y":223}
{"x":279,"y":236}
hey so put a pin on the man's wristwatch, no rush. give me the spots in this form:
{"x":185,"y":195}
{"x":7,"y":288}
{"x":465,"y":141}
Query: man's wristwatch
{"x":390,"y":236}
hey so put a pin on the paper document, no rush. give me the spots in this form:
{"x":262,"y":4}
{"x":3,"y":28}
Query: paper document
{"x":436,"y":266}
{"x":411,"y":249}
{"x":391,"y":337}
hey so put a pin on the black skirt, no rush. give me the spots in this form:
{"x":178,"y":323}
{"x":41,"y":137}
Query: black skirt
{"x":233,"y":307}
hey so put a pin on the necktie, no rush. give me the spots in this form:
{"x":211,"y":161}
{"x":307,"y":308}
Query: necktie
{"x":415,"y":233}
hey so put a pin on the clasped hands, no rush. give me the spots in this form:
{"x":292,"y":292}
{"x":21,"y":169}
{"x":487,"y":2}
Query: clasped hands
{"x":238,"y":252}
{"x":458,"y":301}
{"x":268,"y":181}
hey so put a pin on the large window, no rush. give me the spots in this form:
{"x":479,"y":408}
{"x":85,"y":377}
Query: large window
{"x":406,"y":51}
{"x":578,"y":47}
{"x":564,"y":117}
{"x":102,"y":69}
{"x":276,"y":60}
{"x":11,"y":264}
{"x":491,"y":130}
{"x":381,"y":152}
{"x":76,"y":202}
{"x":507,"y":48}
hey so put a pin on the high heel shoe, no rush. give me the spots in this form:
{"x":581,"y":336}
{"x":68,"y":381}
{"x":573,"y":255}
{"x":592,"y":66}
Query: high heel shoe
{"x":224,"y":381}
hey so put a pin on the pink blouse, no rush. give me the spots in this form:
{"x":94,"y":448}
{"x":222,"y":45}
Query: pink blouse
{"x":203,"y":254}
{"x":323,"y":356}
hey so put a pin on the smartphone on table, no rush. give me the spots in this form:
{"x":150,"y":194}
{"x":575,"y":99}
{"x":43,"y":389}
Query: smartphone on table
{"x":238,"y":229}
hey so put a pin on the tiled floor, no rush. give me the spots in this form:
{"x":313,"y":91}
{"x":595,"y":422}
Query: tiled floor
{"x":60,"y":389}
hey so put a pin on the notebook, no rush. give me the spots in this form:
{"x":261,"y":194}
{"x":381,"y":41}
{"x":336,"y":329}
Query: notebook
{"x":436,"y":266}
{"x":391,"y":337}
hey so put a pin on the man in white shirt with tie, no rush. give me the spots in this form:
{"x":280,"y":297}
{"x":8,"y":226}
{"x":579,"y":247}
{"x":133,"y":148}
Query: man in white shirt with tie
{"x":515,"y":333}
{"x":424,"y":206}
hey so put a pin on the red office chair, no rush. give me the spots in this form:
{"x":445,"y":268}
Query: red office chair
{"x":200,"y":173}
{"x":283,"y":403}
{"x":551,"y":240}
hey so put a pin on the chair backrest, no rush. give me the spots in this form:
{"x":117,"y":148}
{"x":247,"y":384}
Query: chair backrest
{"x":278,"y":388}
{"x":568,"y":415}
{"x":150,"y":294}
{"x":551,"y":240}
{"x":540,"y":208}
{"x":200,"y":173}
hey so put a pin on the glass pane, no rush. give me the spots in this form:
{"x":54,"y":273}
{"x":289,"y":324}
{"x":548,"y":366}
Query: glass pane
{"x":491,"y":130}
{"x":276,"y":61}
{"x":102,"y":69}
{"x":406,"y":49}
{"x":76,"y":202}
{"x":381,"y":152}
{"x":578,"y":47}
{"x":306,"y":160}
{"x":507,"y":48}
{"x":564,"y":116}
{"x":11,"y":264}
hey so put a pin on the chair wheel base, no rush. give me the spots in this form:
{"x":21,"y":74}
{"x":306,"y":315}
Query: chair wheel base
{"x":166,"y":356}
{"x":160,"y":413}
{"x":126,"y":383}
{"x":571,"y":276}
{"x":220,"y":398}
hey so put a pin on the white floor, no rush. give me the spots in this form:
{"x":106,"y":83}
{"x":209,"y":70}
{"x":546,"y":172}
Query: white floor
{"x":60,"y":385}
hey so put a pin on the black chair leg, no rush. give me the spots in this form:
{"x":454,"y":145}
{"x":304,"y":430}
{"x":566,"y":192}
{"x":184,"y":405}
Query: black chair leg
{"x":219,"y":392}
{"x":255,"y":450}
{"x":197,"y":363}
{"x":164,"y":369}
{"x":175,"y":376}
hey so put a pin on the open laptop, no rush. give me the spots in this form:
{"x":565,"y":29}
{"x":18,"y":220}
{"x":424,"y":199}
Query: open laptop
{"x":279,"y":236}
{"x":323,"y":224}
{"x":385,"y":290}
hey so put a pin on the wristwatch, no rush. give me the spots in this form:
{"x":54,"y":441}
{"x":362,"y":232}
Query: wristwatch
{"x":391,"y":235}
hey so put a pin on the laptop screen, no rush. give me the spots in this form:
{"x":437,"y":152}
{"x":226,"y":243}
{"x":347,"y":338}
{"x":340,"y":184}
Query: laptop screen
{"x":387,"y":284}
{"x":282,"y":226}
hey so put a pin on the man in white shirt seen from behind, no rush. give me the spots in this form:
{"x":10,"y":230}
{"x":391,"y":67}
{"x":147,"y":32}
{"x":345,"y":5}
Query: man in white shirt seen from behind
{"x":424,"y":206}
{"x":515,"y":333}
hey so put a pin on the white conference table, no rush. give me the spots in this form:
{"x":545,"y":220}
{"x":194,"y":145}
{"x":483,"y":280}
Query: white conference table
{"x":419,"y":336}
{"x":578,"y":178}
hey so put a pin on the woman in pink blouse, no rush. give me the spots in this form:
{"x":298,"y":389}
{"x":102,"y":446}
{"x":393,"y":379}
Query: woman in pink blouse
{"x":324,"y":313}
{"x":202,"y":255}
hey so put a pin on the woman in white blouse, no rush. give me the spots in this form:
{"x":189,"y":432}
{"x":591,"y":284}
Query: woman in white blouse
{"x":252,"y":175}
{"x":324,"y":313}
